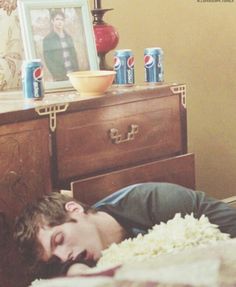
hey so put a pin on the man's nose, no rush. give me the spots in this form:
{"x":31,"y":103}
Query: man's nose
{"x":62,"y":253}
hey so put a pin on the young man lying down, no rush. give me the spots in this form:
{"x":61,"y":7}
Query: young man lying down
{"x":56,"y":231}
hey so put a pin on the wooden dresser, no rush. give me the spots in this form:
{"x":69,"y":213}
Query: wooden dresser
{"x":92,"y":145}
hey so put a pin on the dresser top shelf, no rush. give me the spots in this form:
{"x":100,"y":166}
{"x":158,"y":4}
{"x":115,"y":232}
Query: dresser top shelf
{"x":14,"y":108}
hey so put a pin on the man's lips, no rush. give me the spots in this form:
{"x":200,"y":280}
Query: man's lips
{"x":85,"y":257}
{"x":80,"y":256}
{"x":89,"y":256}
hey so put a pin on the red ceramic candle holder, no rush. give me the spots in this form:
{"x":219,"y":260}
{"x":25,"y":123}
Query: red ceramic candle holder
{"x":106,"y":37}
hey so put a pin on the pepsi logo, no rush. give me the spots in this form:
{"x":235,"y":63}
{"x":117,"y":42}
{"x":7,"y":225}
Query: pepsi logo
{"x":148,"y":61}
{"x":117,"y":63}
{"x":38,"y":74}
{"x":130,"y":62}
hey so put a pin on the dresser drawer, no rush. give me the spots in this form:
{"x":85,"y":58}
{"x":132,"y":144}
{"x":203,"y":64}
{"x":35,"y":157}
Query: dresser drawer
{"x":179,"y":170}
{"x":105,"y":138}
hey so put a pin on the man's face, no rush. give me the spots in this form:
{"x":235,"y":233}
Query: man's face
{"x":70,"y":239}
{"x":58,"y":22}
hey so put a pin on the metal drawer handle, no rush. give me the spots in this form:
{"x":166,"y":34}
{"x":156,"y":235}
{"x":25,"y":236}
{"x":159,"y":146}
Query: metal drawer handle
{"x":116,"y":137}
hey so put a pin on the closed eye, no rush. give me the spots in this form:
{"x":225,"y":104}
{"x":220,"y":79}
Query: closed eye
{"x":58,"y":239}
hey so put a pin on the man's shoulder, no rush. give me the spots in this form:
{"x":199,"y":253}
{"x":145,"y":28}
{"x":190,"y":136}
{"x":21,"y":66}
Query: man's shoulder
{"x":50,"y":36}
{"x":140,"y":190}
{"x":158,"y":187}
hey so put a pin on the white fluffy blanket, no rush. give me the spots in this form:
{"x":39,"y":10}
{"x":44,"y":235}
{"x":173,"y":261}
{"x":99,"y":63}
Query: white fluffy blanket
{"x":185,"y":251}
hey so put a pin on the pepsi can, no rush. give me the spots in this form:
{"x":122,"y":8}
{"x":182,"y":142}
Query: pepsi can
{"x":153,"y":65}
{"x":124,"y":67}
{"x":32,"y":79}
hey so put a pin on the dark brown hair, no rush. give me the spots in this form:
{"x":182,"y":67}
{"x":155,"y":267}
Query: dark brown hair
{"x":55,"y":12}
{"x":48,"y":210}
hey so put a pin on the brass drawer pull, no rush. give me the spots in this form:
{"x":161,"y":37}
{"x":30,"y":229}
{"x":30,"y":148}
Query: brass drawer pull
{"x":116,"y":137}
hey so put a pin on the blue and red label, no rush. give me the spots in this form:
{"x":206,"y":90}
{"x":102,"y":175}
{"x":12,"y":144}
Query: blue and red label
{"x":153,"y":65}
{"x":130,"y":62}
{"x":124,"y":67}
{"x":32,"y":79}
{"x":148,"y":61}
{"x":38,"y":74}
{"x":117,"y":63}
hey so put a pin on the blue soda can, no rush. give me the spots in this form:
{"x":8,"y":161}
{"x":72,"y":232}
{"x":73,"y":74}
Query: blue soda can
{"x":153,"y":65}
{"x":32,"y":79}
{"x":124,"y":67}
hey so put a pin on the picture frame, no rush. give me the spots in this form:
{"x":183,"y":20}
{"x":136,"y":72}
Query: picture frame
{"x":60,"y":33}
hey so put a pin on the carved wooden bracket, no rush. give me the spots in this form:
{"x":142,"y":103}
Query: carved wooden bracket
{"x":52,"y":111}
{"x":181,"y":89}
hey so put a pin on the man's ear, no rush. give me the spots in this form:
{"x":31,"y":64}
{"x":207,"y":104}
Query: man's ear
{"x":73,"y":206}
